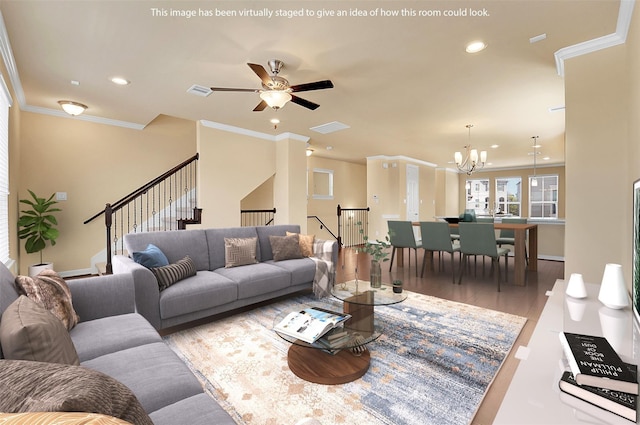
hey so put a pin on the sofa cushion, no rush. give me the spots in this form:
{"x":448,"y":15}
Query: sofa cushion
{"x":240,"y":251}
{"x":302,"y":270}
{"x":215,"y":242}
{"x":59,"y":418}
{"x":257,"y":279}
{"x":263,"y":237}
{"x":30,"y":332}
{"x":306,"y":243}
{"x":175,"y":244}
{"x":45,"y":387}
{"x":172,"y":273}
{"x":200,"y":292}
{"x":196,"y":410}
{"x":50,"y":291}
{"x":105,"y":335}
{"x":153,"y":372}
{"x":285,"y":247}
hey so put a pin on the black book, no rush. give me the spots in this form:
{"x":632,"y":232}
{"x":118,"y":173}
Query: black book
{"x":594,"y":362}
{"x":620,"y":403}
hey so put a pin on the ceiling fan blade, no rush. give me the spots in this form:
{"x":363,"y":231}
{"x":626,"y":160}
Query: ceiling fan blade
{"x":303,"y":102}
{"x":260,"y":72}
{"x":318,"y":85}
{"x":234,"y":89}
{"x":260,"y":106}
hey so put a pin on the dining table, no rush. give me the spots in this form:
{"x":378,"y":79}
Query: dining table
{"x":520,"y":231}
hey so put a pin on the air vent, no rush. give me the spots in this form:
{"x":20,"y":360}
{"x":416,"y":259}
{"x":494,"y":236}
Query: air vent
{"x":330,"y":127}
{"x":199,"y":90}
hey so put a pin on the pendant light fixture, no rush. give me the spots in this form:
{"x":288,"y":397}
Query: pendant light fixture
{"x":471,"y":162}
{"x":534,"y":180}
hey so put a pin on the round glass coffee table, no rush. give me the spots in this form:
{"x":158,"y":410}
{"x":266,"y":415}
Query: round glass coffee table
{"x":338,"y":363}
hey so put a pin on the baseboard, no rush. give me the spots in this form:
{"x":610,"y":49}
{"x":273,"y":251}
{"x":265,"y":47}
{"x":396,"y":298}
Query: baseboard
{"x":79,"y":272}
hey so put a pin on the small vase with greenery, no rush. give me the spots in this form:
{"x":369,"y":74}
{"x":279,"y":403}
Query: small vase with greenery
{"x":378,"y":254}
{"x":37,"y":224}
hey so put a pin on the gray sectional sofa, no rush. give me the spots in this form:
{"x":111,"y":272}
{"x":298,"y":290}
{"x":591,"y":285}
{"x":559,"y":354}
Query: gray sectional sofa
{"x":214,"y":288}
{"x":111,"y":338}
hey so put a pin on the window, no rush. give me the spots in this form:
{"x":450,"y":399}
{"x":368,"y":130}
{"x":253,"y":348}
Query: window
{"x":5,"y":103}
{"x":543,"y":197}
{"x":478,"y":195}
{"x":508,"y":195}
{"x":322,"y":183}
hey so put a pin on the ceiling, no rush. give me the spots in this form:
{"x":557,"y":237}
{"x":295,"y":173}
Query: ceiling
{"x":404,"y":85}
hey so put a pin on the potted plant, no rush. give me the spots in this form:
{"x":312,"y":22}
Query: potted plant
{"x":37,"y":225}
{"x":378,"y":254}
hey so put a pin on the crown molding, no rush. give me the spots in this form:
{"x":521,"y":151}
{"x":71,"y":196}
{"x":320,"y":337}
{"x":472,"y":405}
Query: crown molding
{"x":402,"y":158}
{"x":619,"y":37}
{"x":255,"y":134}
{"x":83,"y":117}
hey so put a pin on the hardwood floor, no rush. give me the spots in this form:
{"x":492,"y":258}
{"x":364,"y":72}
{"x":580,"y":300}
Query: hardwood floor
{"x":477,"y":288}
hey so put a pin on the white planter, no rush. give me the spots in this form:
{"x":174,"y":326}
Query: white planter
{"x":35,"y":269}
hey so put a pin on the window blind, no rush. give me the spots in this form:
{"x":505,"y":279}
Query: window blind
{"x":5,"y":103}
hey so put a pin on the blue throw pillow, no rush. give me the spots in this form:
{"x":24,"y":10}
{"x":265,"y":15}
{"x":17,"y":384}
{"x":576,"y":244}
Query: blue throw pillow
{"x":151,"y":257}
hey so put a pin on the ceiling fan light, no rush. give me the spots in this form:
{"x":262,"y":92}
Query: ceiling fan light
{"x":276,"y":99}
{"x":72,"y":108}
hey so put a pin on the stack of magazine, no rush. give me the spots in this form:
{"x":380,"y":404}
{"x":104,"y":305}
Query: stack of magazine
{"x":598,"y":375}
{"x":310,"y":324}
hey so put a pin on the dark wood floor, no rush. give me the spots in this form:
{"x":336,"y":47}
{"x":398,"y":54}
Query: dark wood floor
{"x":527,"y":301}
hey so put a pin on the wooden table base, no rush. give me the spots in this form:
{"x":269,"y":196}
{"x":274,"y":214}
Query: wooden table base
{"x":314,"y":365}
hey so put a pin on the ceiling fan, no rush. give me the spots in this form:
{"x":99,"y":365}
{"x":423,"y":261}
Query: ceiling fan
{"x":276,"y":91}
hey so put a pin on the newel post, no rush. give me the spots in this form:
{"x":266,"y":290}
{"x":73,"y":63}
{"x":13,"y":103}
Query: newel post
{"x":107,"y":222}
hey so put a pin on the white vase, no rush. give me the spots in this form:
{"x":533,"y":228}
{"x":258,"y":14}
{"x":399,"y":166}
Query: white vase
{"x":34,"y":270}
{"x":575,"y":287}
{"x":613,"y":291}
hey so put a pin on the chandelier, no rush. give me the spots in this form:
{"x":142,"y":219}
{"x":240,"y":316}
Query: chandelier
{"x":470,"y":162}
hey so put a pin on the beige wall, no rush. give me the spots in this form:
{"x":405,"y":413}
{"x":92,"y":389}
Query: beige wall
{"x":597,"y":142}
{"x":95,"y":164}
{"x":447,"y":193}
{"x":349,"y":191}
{"x":261,"y":198}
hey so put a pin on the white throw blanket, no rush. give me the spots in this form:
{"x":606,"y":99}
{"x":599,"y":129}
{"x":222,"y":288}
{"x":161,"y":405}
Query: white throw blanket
{"x":323,"y":279}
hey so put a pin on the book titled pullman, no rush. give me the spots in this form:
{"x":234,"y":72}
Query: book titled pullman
{"x":594,"y":362}
{"x":620,"y":403}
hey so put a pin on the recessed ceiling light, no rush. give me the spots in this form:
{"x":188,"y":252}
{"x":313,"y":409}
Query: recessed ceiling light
{"x":475,"y":46}
{"x":495,"y":146}
{"x":274,"y":121}
{"x":120,"y":81}
{"x":75,"y":83}
{"x":546,"y":158}
{"x":329,"y":148}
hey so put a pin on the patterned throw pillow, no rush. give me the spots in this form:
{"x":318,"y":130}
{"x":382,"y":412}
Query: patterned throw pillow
{"x":50,"y":291}
{"x":239,"y":251}
{"x":306,"y":243}
{"x":30,"y":332}
{"x":168,"y":275}
{"x":285,"y":247}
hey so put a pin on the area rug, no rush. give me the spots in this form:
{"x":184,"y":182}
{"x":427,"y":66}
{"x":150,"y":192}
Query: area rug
{"x":432,"y":365}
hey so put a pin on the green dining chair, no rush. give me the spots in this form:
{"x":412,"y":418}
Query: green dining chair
{"x":508,"y":237}
{"x":401,"y":236}
{"x":436,"y":237}
{"x":480,"y":239}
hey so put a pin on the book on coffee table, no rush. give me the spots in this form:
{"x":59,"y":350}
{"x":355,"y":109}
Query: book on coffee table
{"x":594,"y":362}
{"x":311,"y":323}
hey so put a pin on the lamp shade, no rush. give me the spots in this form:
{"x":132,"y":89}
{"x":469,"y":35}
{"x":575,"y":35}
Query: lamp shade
{"x":275,"y":98}
{"x":613,"y":291}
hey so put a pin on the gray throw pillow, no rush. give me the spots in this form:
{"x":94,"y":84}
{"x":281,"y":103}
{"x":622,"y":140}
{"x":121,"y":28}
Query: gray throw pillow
{"x":30,"y":332}
{"x":285,"y":247}
{"x":168,"y":275}
{"x":239,"y":251}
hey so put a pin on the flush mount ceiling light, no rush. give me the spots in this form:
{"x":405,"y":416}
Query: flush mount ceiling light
{"x":309,"y":152}
{"x":475,"y":46}
{"x":470,"y":162}
{"x":120,"y":81}
{"x":276,"y":99}
{"x":72,"y":108}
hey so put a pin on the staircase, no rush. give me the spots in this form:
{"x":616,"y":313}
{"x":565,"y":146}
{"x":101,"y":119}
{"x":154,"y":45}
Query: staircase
{"x":168,"y":202}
